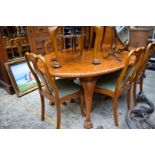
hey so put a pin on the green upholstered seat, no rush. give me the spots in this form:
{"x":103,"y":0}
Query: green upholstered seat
{"x":66,"y":87}
{"x":108,"y":82}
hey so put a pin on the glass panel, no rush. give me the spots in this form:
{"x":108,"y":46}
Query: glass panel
{"x":123,"y":33}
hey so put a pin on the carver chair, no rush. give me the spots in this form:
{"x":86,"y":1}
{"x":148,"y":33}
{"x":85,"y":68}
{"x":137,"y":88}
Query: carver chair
{"x":141,"y":71}
{"x":114,"y":86}
{"x":57,"y":91}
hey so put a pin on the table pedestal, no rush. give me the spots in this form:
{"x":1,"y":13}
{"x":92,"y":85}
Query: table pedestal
{"x":88,"y":85}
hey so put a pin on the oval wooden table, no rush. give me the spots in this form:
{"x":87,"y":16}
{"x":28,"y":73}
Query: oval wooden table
{"x":79,"y":65}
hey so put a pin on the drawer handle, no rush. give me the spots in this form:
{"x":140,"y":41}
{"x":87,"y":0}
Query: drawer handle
{"x":43,"y":41}
{"x":41,"y":29}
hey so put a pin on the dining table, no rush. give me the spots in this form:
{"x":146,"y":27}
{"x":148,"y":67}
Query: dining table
{"x":79,"y":64}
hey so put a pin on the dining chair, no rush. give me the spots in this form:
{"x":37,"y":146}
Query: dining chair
{"x":141,"y":71}
{"x":114,"y":86}
{"x":57,"y":91}
{"x":47,"y":45}
{"x":111,"y":38}
{"x":56,"y":41}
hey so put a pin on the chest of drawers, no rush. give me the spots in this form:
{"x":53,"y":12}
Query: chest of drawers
{"x":38,"y":35}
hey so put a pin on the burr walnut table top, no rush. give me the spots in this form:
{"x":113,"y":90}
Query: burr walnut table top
{"x":80,"y":65}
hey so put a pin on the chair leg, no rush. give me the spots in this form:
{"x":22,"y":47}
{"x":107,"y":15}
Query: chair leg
{"x":115,"y":103}
{"x":58,"y":108}
{"x":128,"y":98}
{"x":135,"y":93}
{"x":42,"y":107}
{"x":82,"y":105}
{"x":141,"y":83}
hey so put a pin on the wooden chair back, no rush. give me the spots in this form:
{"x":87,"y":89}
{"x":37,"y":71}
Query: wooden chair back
{"x":149,"y":52}
{"x":56,"y":42}
{"x":47,"y":45}
{"x":144,"y":62}
{"x":98,"y":40}
{"x":129,"y":71}
{"x":32,"y":61}
{"x":81,"y":40}
{"x":110,"y":37}
{"x":53,"y":33}
{"x":141,"y":70}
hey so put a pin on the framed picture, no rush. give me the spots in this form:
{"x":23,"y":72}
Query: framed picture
{"x":21,"y":76}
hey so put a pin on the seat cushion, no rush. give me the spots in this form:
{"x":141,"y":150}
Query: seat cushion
{"x":66,"y":87}
{"x":108,"y":82}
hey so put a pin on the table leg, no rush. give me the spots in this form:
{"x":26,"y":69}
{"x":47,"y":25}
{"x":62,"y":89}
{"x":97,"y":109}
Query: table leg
{"x":88,"y":85}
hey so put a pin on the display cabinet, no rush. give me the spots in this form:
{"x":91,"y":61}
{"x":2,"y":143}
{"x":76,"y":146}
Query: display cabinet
{"x":38,"y":36}
{"x":16,"y":40}
{"x":4,"y":78}
{"x":13,"y":45}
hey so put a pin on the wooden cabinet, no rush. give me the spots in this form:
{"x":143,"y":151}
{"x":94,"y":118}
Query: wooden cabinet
{"x":40,"y":30}
{"x":4,"y":78}
{"x":38,"y":35}
{"x":9,"y":52}
{"x":138,"y":36}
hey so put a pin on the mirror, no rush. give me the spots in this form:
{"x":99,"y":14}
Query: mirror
{"x":123,"y":33}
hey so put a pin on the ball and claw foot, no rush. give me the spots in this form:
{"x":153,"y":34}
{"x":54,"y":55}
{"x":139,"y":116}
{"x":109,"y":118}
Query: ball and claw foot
{"x":88,"y":125}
